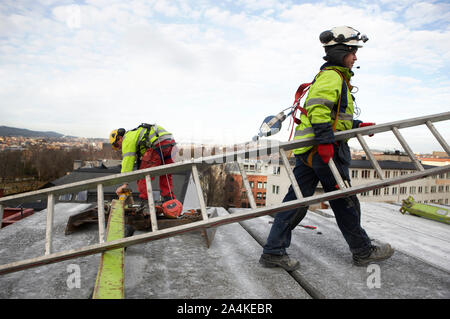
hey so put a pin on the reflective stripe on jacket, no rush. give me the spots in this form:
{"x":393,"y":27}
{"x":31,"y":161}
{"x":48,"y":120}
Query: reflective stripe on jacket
{"x":321,"y":105}
{"x":130,"y":144}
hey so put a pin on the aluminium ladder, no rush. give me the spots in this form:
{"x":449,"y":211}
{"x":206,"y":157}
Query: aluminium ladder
{"x":99,"y":183}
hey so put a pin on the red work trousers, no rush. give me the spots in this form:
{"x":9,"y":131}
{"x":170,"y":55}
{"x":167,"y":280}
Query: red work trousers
{"x":152,"y":158}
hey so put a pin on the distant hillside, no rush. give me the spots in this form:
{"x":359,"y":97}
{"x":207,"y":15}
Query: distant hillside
{"x":13,"y":131}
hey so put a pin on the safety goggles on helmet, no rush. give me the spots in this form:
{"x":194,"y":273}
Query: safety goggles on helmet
{"x":114,"y":136}
{"x":342,"y":35}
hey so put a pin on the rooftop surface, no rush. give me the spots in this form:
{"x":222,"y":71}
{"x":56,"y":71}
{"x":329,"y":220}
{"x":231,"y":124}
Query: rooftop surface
{"x":182,"y":267}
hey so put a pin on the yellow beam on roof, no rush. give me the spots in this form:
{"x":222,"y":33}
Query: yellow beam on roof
{"x":110,"y":277}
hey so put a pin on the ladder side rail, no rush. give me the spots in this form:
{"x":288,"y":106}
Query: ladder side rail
{"x":215,"y":221}
{"x":101,"y":213}
{"x":369,"y":154}
{"x":49,"y":224}
{"x":290,"y":174}
{"x":151,"y":203}
{"x":247,"y":187}
{"x":407,"y":149}
{"x":117,"y":179}
{"x":439,"y":137}
{"x":2,"y":210}
{"x":198,"y":187}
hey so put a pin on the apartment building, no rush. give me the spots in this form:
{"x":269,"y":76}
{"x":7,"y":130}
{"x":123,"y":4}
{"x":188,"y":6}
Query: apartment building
{"x":433,"y":189}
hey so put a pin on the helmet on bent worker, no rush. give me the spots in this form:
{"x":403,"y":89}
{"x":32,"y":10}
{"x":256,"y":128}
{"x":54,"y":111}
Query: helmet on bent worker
{"x":114,"y":136}
{"x":339,"y":41}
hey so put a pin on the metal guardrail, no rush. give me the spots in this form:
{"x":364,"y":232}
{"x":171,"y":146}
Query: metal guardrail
{"x":100,"y":183}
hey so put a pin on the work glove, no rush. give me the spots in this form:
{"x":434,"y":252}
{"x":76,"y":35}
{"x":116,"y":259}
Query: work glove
{"x":367,"y":124}
{"x":326,"y":151}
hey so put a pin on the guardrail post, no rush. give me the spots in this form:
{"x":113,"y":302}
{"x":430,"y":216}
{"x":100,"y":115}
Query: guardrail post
{"x":198,"y":186}
{"x":49,"y":227}
{"x":101,"y":213}
{"x":2,"y":210}
{"x":246,"y":183}
{"x":151,"y":203}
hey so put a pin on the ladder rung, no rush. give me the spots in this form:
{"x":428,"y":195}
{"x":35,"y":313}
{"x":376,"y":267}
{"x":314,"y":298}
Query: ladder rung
{"x":151,"y":203}
{"x":291,"y":176}
{"x":407,"y":149}
{"x":439,"y":137}
{"x":246,"y":183}
{"x":370,"y":155}
{"x":337,"y":175}
{"x":198,"y":187}
{"x":49,"y":227}
{"x":101,"y":213}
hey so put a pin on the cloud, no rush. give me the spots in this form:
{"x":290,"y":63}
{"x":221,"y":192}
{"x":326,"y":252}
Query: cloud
{"x":207,"y":70}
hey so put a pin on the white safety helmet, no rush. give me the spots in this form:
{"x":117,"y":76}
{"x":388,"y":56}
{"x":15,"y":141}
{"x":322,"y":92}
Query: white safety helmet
{"x":342,"y":35}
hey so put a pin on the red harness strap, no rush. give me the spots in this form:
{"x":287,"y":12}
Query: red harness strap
{"x":301,"y":91}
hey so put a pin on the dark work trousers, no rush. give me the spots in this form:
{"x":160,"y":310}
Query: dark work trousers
{"x":346,"y":210}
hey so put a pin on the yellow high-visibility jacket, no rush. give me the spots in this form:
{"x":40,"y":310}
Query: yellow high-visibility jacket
{"x":321,"y":106}
{"x":134,"y":145}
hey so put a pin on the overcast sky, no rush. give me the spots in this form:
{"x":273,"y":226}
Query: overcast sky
{"x":211,"y":71}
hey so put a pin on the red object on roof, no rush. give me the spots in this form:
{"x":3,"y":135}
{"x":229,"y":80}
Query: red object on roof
{"x":12,"y":215}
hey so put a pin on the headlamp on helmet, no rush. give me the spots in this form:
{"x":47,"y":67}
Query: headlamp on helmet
{"x":342,"y":35}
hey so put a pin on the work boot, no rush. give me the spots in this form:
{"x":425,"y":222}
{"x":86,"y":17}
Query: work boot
{"x":376,"y":253}
{"x":283,"y":261}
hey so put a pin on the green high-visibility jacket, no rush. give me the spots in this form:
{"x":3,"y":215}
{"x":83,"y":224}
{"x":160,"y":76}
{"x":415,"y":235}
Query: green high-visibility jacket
{"x":133,"y":144}
{"x":321,"y":105}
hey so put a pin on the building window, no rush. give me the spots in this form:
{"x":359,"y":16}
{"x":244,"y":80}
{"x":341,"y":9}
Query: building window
{"x":386,"y":191}
{"x":365,"y":194}
{"x":447,"y":188}
{"x":412,"y":189}
{"x":426,"y":189}
{"x":403,"y":189}
{"x":394,"y":190}
{"x":276,"y":170}
{"x":441,"y":189}
{"x":375,"y":174}
{"x":387,"y":174}
{"x":433,"y":189}
{"x":81,"y":196}
{"x":275,"y":189}
{"x":394,"y":173}
{"x":264,"y":195}
{"x":65,"y":197}
{"x":354,"y":173}
{"x":252,"y":184}
{"x":420,"y":189}
{"x":265,"y":185}
{"x":376,"y":192}
{"x":365,"y":173}
{"x":259,"y":184}
{"x":258,"y":195}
